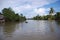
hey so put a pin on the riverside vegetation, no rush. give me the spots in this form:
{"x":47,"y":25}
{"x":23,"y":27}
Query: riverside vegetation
{"x":49,"y":17}
{"x":11,"y":16}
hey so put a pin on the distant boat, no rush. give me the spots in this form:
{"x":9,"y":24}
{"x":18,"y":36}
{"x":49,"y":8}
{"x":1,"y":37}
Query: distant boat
{"x":26,"y":22}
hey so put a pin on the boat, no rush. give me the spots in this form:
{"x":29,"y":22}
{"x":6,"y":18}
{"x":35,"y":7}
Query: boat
{"x":26,"y":22}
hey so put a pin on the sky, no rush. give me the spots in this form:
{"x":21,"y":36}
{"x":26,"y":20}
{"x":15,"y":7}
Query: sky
{"x":31,"y":8}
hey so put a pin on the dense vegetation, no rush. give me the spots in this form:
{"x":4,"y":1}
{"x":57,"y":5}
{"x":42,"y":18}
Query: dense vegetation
{"x":57,"y":16}
{"x":48,"y":17}
{"x":10,"y":15}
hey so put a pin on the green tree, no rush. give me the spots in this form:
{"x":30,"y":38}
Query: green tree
{"x":10,"y":15}
{"x":37,"y":17}
{"x":50,"y":13}
{"x":57,"y":16}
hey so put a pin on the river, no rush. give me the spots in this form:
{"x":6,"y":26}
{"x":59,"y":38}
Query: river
{"x":33,"y":30}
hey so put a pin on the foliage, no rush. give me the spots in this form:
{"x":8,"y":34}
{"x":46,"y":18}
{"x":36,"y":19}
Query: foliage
{"x":57,"y":16}
{"x":51,"y":17}
{"x":51,"y":11}
{"x":44,"y":17}
{"x":10,"y":15}
{"x":40,"y":17}
{"x":37,"y":17}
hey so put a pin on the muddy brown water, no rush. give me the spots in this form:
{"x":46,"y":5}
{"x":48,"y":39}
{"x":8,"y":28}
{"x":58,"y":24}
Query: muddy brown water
{"x":33,"y":30}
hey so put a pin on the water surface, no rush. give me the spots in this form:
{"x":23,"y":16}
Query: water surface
{"x":33,"y":30}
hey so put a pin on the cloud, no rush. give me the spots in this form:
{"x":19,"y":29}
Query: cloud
{"x":27,"y":7}
{"x":22,"y":8}
{"x":33,"y":3}
{"x":42,"y":11}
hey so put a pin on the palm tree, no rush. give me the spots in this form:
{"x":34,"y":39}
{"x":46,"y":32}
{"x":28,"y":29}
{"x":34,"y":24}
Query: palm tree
{"x":50,"y":13}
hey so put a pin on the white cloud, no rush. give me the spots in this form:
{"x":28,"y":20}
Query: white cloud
{"x":28,"y":6}
{"x":33,"y":3}
{"x":22,"y":8}
{"x":42,"y":11}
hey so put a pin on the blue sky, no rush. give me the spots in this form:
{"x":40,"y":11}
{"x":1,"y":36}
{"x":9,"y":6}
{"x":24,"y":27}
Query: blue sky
{"x":31,"y":8}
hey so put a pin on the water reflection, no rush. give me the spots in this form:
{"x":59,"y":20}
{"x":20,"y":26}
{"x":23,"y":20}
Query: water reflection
{"x":1,"y":31}
{"x":33,"y":30}
{"x":9,"y":28}
{"x":52,"y":26}
{"x":58,"y":22}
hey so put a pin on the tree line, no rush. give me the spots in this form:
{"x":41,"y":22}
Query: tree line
{"x":11,"y":16}
{"x":48,"y":17}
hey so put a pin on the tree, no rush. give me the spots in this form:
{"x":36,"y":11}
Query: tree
{"x":37,"y":17}
{"x":10,"y":15}
{"x":50,"y":13}
{"x":57,"y":16}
